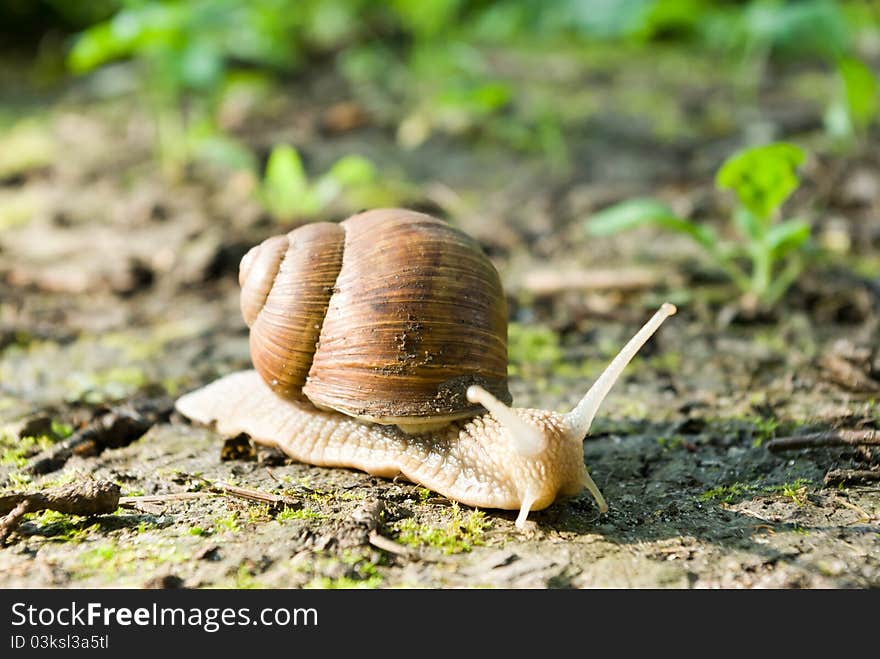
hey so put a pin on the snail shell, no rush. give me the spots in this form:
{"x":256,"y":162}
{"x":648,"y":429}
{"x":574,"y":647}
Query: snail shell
{"x":388,"y":317}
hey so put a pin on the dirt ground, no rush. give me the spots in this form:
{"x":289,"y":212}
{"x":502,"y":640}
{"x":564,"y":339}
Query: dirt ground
{"x":118,"y":293}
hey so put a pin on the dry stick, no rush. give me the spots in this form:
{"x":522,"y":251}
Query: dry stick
{"x":88,"y":497}
{"x":851,"y":476}
{"x":276,"y":500}
{"x":133,"y":502}
{"x":216,"y":488}
{"x":834,"y":438}
{"x":387,"y":544}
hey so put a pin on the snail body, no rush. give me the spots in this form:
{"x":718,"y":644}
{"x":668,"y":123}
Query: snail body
{"x":400,"y":392}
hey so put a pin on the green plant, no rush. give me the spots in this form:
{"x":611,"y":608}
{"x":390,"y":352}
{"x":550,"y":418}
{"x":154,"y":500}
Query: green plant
{"x":795,"y":490}
{"x":765,"y":430}
{"x":762,"y":178}
{"x":287,"y":193}
{"x":183,"y":54}
{"x":857,"y":102}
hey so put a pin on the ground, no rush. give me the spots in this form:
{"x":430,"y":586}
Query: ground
{"x":118,"y":293}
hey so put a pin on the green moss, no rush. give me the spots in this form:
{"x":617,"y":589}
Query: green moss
{"x":116,"y":564}
{"x":345,"y":583}
{"x":261,"y":513}
{"x":669,"y":361}
{"x":299,"y":513}
{"x":198,"y":531}
{"x":140,"y":346}
{"x":671,"y":443}
{"x":109,"y":384}
{"x":229,"y":523}
{"x":727,"y":493}
{"x":16,"y":452}
{"x":362,"y":573}
{"x":530,"y":347}
{"x":460,"y":534}
{"x":63,"y":528}
{"x":63,"y":478}
{"x":764,"y":430}
{"x":61,"y":430}
{"x":244,"y":578}
{"x":325,"y":496}
{"x":796,"y":490}
{"x":17,"y":480}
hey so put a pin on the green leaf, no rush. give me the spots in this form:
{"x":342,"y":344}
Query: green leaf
{"x":225,"y":151}
{"x":787,"y":237}
{"x":762,"y":177}
{"x":629,"y":215}
{"x":353,"y":170}
{"x":805,"y":27}
{"x":860,"y":89}
{"x":94,"y":47}
{"x":643,"y":212}
{"x":428,"y":17}
{"x":201,"y":65}
{"x":749,"y":225}
{"x":348,"y":173}
{"x":285,"y":186}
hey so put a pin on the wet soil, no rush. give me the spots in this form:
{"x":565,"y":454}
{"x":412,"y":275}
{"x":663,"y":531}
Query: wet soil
{"x":118,"y":291}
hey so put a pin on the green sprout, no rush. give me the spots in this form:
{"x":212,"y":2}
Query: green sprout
{"x":856,"y":104}
{"x":185,"y":54}
{"x":762,"y":178}
{"x":288,"y":194}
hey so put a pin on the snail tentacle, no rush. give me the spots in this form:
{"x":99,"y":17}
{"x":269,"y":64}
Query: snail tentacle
{"x":526,"y":439}
{"x":581,"y":417}
{"x":526,"y":505}
{"x":593,"y":489}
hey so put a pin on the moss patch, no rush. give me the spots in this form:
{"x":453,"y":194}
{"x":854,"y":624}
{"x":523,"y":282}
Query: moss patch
{"x":462,"y":532}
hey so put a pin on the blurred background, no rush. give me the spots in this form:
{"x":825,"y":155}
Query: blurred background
{"x":146,"y":144}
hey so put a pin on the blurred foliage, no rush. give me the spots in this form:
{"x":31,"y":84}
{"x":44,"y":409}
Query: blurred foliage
{"x":287,"y":193}
{"x":431,"y":67}
{"x":762,"y":178}
{"x":855,"y":107}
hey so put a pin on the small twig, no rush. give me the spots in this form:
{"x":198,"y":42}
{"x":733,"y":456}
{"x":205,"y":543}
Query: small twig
{"x":275,"y":500}
{"x":851,"y":476}
{"x":389,"y":545}
{"x":849,"y":504}
{"x":88,"y":497}
{"x":554,"y":281}
{"x":138,"y":501}
{"x":835,"y":438}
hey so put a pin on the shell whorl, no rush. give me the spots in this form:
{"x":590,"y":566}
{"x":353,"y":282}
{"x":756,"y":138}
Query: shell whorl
{"x":388,"y":316}
{"x":286,"y":285}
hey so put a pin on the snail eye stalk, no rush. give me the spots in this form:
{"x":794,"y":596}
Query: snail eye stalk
{"x":526,"y":438}
{"x":581,"y":417}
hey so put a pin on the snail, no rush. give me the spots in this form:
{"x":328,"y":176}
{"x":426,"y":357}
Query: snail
{"x":377,"y":343}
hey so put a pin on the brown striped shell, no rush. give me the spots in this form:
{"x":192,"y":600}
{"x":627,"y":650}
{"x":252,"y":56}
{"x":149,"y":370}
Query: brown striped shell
{"x":388,"y":316}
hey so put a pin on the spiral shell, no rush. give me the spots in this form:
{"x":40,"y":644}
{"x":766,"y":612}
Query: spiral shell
{"x":388,"y":316}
